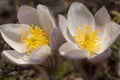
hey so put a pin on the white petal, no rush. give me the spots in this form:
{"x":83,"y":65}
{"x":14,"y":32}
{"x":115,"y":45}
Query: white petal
{"x":100,"y":57}
{"x":71,"y":50}
{"x":79,"y":16}
{"x":11,"y":33}
{"x":77,"y":54}
{"x":102,"y":20}
{"x":63,"y":26}
{"x":105,"y":41}
{"x":45,"y":18}
{"x":39,"y":55}
{"x":57,"y":40}
{"x":102,"y":17}
{"x":112,"y":32}
{"x":67,"y":47}
{"x":102,"y":30}
{"x":28,"y":15}
{"x":15,"y":57}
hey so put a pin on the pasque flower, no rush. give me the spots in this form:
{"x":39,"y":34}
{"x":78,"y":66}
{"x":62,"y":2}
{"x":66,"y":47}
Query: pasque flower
{"x":34,"y":39}
{"x":87,"y":36}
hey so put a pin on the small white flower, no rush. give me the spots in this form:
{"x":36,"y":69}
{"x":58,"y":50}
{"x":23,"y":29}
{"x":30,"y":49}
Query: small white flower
{"x":87,"y":36}
{"x":34,"y":39}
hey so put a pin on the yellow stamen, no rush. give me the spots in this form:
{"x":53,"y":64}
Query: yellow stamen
{"x":87,"y":39}
{"x":35,"y":38}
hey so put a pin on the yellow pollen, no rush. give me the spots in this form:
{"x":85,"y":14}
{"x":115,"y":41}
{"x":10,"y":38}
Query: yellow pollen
{"x":35,"y":38}
{"x":87,"y":39}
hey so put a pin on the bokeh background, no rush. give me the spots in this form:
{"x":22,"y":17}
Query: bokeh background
{"x":65,"y":69}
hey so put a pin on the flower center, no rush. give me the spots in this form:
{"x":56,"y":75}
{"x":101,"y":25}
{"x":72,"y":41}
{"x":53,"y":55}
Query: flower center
{"x":87,"y":39}
{"x":35,"y":38}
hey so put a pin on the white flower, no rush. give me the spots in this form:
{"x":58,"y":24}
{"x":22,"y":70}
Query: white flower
{"x":87,"y":36}
{"x":34,"y":39}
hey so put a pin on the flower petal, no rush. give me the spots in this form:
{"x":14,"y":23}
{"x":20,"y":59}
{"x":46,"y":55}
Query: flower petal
{"x":100,"y":57}
{"x":67,"y":47}
{"x":105,"y":41}
{"x":77,"y":54}
{"x":102,"y":17}
{"x":39,"y":55}
{"x":63,"y":26}
{"x":101,"y":24}
{"x":112,"y":32}
{"x":28,"y":15}
{"x":57,"y":40}
{"x":15,"y":57}
{"x":45,"y":18}
{"x":71,"y":50}
{"x":11,"y":33}
{"x":79,"y":16}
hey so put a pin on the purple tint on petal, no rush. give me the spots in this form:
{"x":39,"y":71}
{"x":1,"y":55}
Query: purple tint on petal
{"x":57,"y":40}
{"x":100,"y":57}
{"x":28,"y":15}
{"x":102,"y":17}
